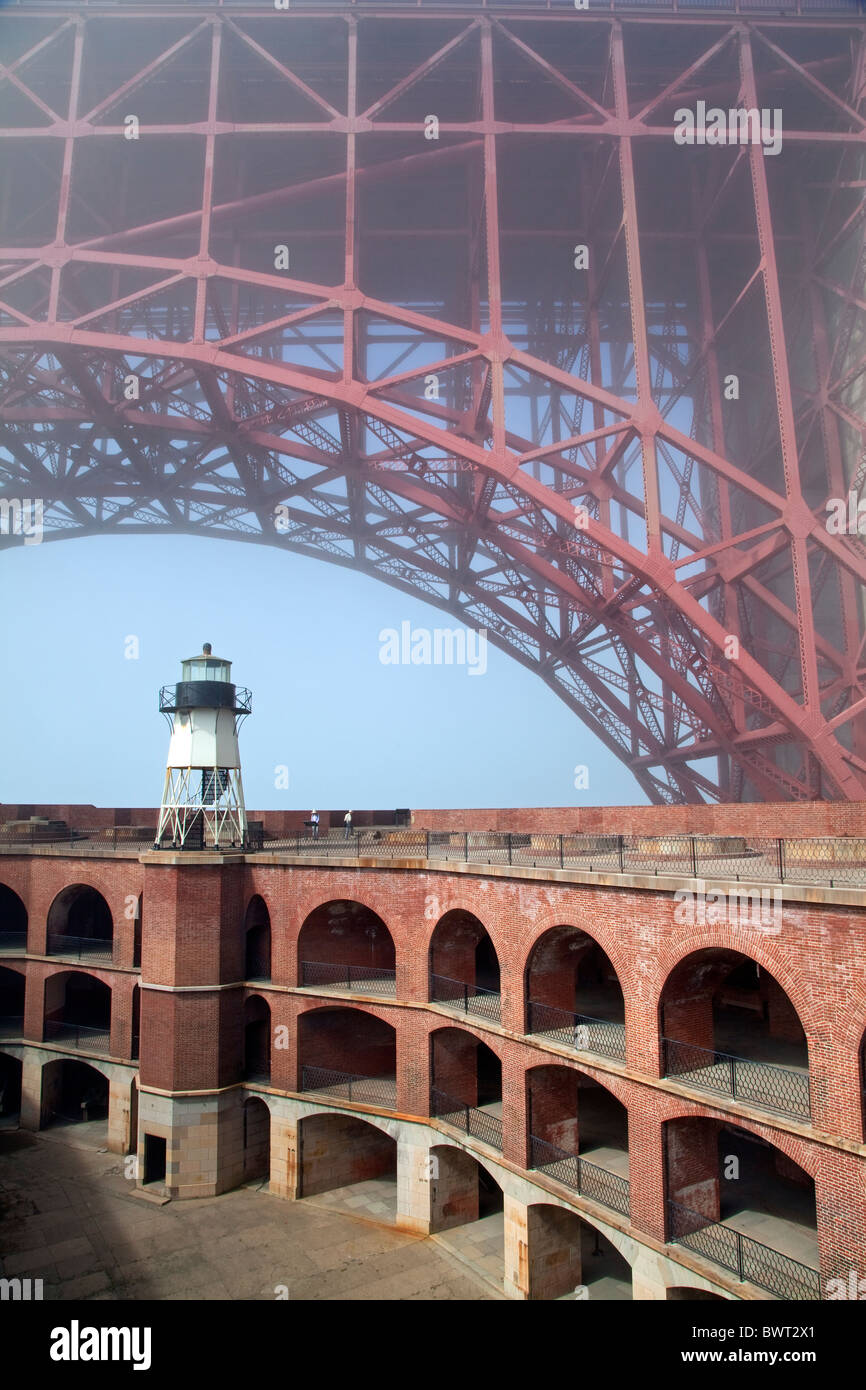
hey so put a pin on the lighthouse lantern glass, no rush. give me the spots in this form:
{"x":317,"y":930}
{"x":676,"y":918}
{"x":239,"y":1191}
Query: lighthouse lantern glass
{"x":204,"y":668}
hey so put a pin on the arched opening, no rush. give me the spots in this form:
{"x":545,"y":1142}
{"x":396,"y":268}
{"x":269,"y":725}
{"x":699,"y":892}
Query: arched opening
{"x":80,"y":925}
{"x":743,"y":1204}
{"x":345,"y":945}
{"x":10,"y":1090}
{"x":137,"y":923}
{"x":74,"y":1093}
{"x":862,"y":1077}
{"x":464,"y":966}
{"x":257,"y":940}
{"x":466,"y":1209}
{"x":466,"y":1085}
{"x":579,"y":1134}
{"x":257,"y":1140}
{"x":348,"y":1053}
{"x":257,"y":1039}
{"x":573,"y":994}
{"x":13,"y":921}
{"x":135,"y":1043}
{"x":77,"y":1012}
{"x":350,"y":1165}
{"x":132,"y":1143}
{"x":680,"y":1293}
{"x":11,"y":1002}
{"x":729,"y":1027}
{"x":568,"y":1258}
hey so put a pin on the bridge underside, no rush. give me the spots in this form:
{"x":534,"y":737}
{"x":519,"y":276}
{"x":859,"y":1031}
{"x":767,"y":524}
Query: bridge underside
{"x":437,"y":296}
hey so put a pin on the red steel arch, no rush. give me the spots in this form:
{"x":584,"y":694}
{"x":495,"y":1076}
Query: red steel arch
{"x":497,"y":370}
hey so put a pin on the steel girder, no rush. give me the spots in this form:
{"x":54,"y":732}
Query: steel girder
{"x":440,"y":388}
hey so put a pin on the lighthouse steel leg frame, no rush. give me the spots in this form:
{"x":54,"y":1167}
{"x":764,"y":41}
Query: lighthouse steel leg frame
{"x":159,"y":372}
{"x":223,"y":821}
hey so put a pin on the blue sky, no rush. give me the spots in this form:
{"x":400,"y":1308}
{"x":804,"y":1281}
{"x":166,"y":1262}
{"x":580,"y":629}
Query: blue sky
{"x":304,"y":636}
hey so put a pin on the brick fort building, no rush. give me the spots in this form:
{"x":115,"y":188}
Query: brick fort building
{"x":626,"y":1041}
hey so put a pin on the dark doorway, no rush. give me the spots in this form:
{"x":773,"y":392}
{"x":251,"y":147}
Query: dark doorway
{"x":154,"y":1158}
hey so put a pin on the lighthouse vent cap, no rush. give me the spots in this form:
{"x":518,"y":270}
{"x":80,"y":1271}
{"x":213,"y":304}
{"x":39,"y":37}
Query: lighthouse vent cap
{"x":206,"y":667}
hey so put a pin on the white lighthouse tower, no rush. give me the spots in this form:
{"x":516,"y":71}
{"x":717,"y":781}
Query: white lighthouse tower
{"x":203,"y":798}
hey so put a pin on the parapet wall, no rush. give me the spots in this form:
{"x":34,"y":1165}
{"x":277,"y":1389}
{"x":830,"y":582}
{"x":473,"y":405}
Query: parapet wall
{"x":786,"y":818}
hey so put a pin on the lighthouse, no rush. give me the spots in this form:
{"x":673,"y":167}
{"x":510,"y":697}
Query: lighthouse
{"x":203,"y":797}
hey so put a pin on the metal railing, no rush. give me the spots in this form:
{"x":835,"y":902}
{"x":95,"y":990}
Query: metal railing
{"x":13,"y":941}
{"x":133,"y":838}
{"x":478,"y":1124}
{"x":371,"y":979}
{"x":741,"y":1255}
{"x":469,"y":999}
{"x":78,"y":1035}
{"x":586,"y":1034}
{"x":257,"y":968}
{"x":825,"y":861}
{"x":831,"y":861}
{"x":11,"y":1025}
{"x":518,"y":8}
{"x":79,"y":947}
{"x":367,"y":1090}
{"x":757,"y":1083}
{"x":598,"y":1184}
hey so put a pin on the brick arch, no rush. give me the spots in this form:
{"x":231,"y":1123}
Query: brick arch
{"x":796,"y":1149}
{"x":607,"y":938}
{"x":849,"y":1024}
{"x":499,"y":1177}
{"x":481,"y":1036}
{"x":443,"y":910}
{"x":106,"y":1069}
{"x":312,"y":1006}
{"x":355,"y":903}
{"x":61,"y":905}
{"x":625,"y":1246}
{"x":382,"y":1122}
{"x":715,"y":937}
{"x":618,"y":1087}
{"x":339,"y":891}
{"x":452,"y":952}
{"x":108,"y":976}
{"x":351,"y":1045}
{"x":250,"y":895}
{"x":113,"y":886}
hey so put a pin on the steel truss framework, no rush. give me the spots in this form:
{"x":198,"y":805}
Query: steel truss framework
{"x":214,"y":795}
{"x":431,"y":382}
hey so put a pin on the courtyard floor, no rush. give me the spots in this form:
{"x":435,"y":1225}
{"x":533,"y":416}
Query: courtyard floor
{"x":68,"y":1216}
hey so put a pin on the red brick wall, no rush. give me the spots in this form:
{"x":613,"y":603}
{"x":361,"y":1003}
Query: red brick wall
{"x":347,"y":1040}
{"x":766,"y":818}
{"x":754,"y":818}
{"x":346,"y":934}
